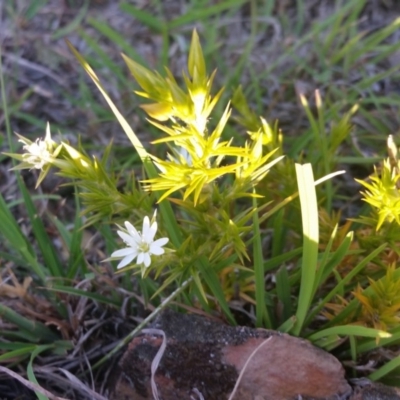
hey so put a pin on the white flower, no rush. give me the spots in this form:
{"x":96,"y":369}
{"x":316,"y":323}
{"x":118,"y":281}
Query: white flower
{"x":140,"y":245}
{"x":38,"y":153}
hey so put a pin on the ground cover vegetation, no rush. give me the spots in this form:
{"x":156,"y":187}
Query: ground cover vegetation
{"x":238,"y":160}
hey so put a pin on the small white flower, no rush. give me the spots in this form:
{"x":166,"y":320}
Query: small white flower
{"x":40,"y":152}
{"x":140,"y":245}
{"x":37,"y":154}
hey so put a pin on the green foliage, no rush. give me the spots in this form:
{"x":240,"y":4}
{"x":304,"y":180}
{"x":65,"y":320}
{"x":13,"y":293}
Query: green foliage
{"x":381,"y":305}
{"x":220,"y":197}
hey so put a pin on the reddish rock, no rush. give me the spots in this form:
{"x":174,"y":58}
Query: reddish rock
{"x":203,"y":359}
{"x":286,"y":367}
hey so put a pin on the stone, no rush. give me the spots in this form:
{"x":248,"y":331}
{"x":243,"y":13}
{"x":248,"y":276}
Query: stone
{"x":367,"y":390}
{"x":204,"y":359}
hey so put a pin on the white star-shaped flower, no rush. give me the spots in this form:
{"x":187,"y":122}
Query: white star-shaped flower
{"x":38,"y":153}
{"x":139,"y":245}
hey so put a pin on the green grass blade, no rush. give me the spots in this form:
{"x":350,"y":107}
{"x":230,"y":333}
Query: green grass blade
{"x":77,"y":256}
{"x":340,"y":287}
{"x":51,"y":261}
{"x":102,"y":58}
{"x":262,"y":315}
{"x":83,"y":293}
{"x":385,"y":369}
{"x":73,"y":25}
{"x":73,"y":243}
{"x":368,"y":345}
{"x":372,"y":41}
{"x":31,"y":120}
{"x":278,"y":241}
{"x":324,"y":260}
{"x":327,"y":266}
{"x":211,"y":279}
{"x":34,"y":197}
{"x":290,"y":198}
{"x":117,"y":39}
{"x":325,"y":270}
{"x":22,"y":349}
{"x":29,"y":370}
{"x":348,"y":47}
{"x":287,"y":326}
{"x":205,"y":12}
{"x":39,"y":331}
{"x":156,"y":24}
{"x":275,"y":262}
{"x":349,"y":330}
{"x":283,"y":291}
{"x":309,"y":215}
{"x":18,"y":334}
{"x":33,"y":8}
{"x":11,"y":231}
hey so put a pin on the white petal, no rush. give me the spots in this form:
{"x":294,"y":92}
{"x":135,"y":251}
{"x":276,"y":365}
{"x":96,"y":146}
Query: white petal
{"x":161,"y":241}
{"x":48,"y":134}
{"x":124,"y":252}
{"x":156,"y":247}
{"x":133,"y":232}
{"x":153,"y":230}
{"x":149,"y":231}
{"x":128,"y":239}
{"x":125,"y":261}
{"x":147,"y":260}
{"x":157,"y":251}
{"x":140,"y":258}
{"x":146,"y":226}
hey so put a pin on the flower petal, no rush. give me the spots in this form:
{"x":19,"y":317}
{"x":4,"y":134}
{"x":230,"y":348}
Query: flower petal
{"x":156,"y":247}
{"x":140,"y":258}
{"x":152,"y":232}
{"x":161,"y":241}
{"x":128,"y":239}
{"x":147,"y":260}
{"x":132,"y":231}
{"x":125,"y":261}
{"x":157,"y":251}
{"x":124,"y":252}
{"x":146,"y":226}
